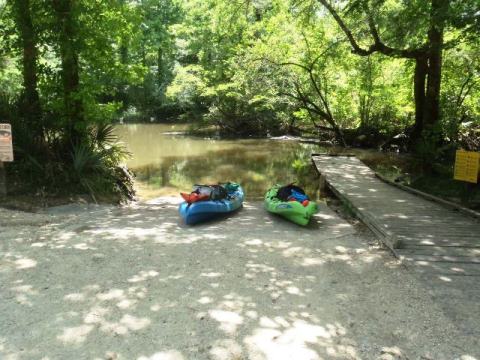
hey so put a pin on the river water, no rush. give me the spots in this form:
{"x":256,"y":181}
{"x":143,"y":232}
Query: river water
{"x":165,"y":161}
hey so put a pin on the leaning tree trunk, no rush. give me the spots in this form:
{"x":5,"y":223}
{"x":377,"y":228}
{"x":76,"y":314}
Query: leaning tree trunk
{"x":31,"y":109}
{"x":70,"y":68}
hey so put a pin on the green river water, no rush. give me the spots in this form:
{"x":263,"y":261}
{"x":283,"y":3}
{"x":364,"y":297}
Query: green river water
{"x":166,"y":161}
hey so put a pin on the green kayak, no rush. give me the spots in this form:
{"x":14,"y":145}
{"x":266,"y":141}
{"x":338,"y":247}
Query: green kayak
{"x":291,"y":210}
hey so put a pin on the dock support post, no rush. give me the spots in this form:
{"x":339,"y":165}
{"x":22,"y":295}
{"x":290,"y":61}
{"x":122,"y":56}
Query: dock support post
{"x":322,"y":185}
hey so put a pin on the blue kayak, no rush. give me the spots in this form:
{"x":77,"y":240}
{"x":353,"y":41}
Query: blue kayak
{"x":209,"y":209}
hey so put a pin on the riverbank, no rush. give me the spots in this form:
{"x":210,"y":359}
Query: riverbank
{"x":167,"y":161}
{"x":169,"y":158}
{"x":134,"y":282}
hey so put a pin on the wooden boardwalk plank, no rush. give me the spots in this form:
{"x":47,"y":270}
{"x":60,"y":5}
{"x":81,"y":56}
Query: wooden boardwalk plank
{"x":440,"y":251}
{"x":446,"y":268}
{"x":442,"y":258}
{"x":427,"y":234}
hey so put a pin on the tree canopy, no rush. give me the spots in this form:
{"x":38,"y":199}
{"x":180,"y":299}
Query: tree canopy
{"x":358,"y":72}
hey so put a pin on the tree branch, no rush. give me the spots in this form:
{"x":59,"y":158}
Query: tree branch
{"x":378,"y":45}
{"x":356,"y":48}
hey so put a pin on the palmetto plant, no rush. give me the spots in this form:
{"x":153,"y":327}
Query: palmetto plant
{"x":85,"y":159}
{"x":103,"y":135}
{"x":97,"y":166}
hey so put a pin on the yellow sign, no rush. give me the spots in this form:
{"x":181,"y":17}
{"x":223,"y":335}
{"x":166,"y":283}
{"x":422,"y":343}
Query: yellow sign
{"x":467,"y":166}
{"x":6,"y":148}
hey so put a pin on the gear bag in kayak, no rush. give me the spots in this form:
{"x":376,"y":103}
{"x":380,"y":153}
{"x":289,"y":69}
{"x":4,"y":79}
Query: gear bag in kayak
{"x":209,"y":192}
{"x":286,"y":192}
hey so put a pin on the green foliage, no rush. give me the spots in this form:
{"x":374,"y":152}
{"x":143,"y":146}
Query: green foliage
{"x":93,"y":167}
{"x":280,"y":66}
{"x":460,"y":97}
{"x":302,"y":166}
{"x":248,"y":67}
{"x":96,"y":165}
{"x":67,"y":146}
{"x":253,"y":68}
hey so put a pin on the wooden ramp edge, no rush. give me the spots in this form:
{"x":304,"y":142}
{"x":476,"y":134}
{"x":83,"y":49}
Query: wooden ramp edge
{"x":385,"y":236}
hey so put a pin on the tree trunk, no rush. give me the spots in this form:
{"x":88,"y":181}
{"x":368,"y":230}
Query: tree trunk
{"x":162,"y":77}
{"x":70,"y":68}
{"x":123,"y":93}
{"x":145,"y":79}
{"x":31,"y":109}
{"x":428,"y":57}
{"x":365,"y":99}
{"x":419,"y":82}
{"x":428,"y":77}
{"x":431,"y":114}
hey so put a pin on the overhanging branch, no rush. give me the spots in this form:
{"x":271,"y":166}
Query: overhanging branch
{"x":378,"y":45}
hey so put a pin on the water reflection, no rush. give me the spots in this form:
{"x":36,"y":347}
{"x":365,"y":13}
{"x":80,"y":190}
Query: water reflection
{"x":166,"y":163}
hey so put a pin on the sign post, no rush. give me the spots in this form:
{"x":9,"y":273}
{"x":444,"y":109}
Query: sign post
{"x":6,"y":153}
{"x":467,"y":166}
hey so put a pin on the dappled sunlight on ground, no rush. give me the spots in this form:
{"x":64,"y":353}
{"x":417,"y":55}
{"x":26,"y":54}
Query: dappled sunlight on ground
{"x":136,"y":283}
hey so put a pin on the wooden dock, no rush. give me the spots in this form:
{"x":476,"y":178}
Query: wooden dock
{"x":432,"y":237}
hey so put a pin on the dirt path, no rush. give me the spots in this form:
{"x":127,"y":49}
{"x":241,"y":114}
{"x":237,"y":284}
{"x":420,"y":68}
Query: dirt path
{"x":134,"y":283}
